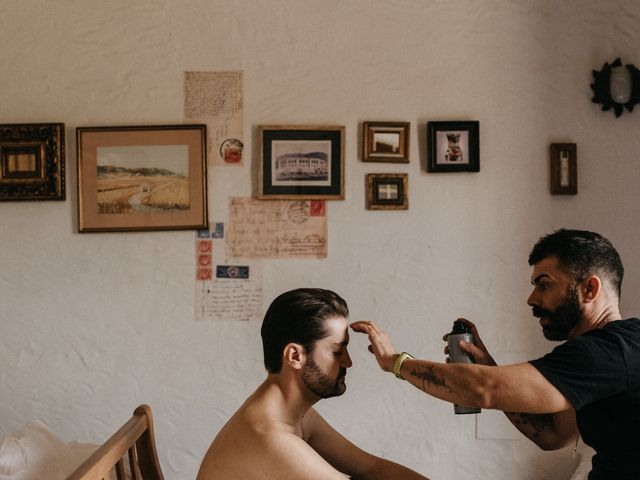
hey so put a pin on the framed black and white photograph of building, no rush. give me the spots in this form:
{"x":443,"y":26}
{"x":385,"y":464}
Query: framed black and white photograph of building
{"x":301,"y":162}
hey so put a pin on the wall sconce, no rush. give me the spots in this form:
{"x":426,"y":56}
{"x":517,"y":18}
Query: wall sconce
{"x":616,"y":86}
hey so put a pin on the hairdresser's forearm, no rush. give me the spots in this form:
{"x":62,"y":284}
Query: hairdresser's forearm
{"x":510,"y":388}
{"x":462,"y":384}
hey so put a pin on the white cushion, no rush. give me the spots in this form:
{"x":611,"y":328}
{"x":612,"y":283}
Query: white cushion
{"x":33,"y":452}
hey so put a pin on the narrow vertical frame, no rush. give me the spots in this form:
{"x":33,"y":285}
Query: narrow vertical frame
{"x":563,"y":168}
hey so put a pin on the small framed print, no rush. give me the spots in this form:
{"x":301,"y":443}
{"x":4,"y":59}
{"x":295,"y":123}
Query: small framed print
{"x":387,"y":191}
{"x":142,"y":178}
{"x":453,"y":146}
{"x":385,"y":142}
{"x":32,"y":161}
{"x":563,"y":168}
{"x":301,"y":162}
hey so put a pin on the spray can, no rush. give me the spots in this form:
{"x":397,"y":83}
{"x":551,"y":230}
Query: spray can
{"x":457,"y":355}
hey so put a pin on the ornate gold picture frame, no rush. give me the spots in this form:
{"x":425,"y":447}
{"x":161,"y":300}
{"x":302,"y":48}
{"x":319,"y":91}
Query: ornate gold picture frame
{"x":32,"y":161}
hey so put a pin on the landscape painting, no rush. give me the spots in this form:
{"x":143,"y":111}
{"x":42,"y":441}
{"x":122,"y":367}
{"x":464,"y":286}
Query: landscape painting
{"x":142,"y":178}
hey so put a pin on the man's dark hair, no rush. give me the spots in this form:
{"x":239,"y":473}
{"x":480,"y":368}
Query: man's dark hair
{"x":581,"y":253}
{"x":298,"y":316}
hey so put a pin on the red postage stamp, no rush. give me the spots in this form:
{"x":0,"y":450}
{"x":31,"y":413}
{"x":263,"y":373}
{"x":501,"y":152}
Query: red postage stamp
{"x":204,"y":274}
{"x":317,"y":208}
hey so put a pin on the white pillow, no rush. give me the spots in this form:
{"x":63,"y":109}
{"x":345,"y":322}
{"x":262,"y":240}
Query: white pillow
{"x":33,"y":452}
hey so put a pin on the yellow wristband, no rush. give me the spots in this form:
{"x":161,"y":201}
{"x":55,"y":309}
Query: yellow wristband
{"x":397,"y":365}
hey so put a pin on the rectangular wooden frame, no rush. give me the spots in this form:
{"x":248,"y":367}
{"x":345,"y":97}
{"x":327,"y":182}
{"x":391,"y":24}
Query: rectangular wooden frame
{"x":396,"y":147}
{"x":397,"y":200}
{"x":32,"y":161}
{"x":315,"y":152}
{"x":563,"y":168}
{"x":439,"y":156}
{"x":168,"y":161}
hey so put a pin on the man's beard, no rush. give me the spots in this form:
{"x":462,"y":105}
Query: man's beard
{"x":563,"y":319}
{"x":321,"y":384}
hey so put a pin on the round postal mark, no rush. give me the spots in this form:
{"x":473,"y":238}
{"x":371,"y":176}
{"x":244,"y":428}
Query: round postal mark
{"x":298,"y":212}
{"x":231,"y":150}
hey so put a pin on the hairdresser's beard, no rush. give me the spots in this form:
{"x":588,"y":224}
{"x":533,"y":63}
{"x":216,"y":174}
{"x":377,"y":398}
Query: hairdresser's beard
{"x":320,"y":384}
{"x":563,"y":319}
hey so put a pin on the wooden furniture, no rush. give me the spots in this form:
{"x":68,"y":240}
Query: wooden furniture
{"x":134,"y":440}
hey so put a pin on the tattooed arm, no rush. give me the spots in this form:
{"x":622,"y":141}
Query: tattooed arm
{"x":511,"y":388}
{"x":550,"y":431}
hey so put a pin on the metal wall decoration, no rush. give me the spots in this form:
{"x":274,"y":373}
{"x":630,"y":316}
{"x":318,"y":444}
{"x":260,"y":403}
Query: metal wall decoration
{"x":32,"y":161}
{"x":616,"y":86}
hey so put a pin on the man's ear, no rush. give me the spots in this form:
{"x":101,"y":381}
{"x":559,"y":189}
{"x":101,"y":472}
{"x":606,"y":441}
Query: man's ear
{"x":294,"y":355}
{"x":591,"y":288}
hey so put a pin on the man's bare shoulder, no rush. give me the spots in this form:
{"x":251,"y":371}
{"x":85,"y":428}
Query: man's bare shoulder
{"x":253,"y":444}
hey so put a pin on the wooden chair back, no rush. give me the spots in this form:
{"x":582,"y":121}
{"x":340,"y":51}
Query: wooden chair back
{"x":135,"y":440}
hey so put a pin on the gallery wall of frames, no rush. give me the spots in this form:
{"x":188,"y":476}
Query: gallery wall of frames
{"x":153,"y":177}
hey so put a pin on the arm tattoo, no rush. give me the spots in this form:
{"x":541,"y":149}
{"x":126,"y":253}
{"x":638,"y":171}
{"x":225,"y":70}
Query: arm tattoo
{"x":539,"y":422}
{"x":428,"y":376}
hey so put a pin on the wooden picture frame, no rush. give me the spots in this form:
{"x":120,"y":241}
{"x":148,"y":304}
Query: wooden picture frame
{"x":387,"y":191}
{"x":563,"y":168}
{"x":135,"y":178}
{"x":453,"y":146}
{"x":32,"y":162}
{"x":385,"y":142}
{"x":301,"y":162}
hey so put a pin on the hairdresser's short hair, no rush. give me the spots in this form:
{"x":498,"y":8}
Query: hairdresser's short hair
{"x":582,"y":254}
{"x":298,"y":316}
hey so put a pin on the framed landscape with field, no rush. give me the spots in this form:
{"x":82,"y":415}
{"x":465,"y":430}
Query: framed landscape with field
{"x":141,"y":178}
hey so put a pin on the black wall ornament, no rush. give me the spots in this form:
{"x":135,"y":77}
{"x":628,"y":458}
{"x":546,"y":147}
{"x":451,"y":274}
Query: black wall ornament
{"x":616,"y":86}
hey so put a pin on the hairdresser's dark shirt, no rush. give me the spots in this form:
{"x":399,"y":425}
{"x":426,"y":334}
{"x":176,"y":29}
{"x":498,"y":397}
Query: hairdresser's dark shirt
{"x":599,"y":373}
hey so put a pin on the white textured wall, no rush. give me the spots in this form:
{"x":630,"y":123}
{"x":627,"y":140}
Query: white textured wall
{"x":94,"y":324}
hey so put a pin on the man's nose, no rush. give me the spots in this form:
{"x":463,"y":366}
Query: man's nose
{"x":531,"y":301}
{"x":346,"y":359}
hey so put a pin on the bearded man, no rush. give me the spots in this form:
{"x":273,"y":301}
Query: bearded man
{"x":276,"y":434}
{"x":589,"y":385}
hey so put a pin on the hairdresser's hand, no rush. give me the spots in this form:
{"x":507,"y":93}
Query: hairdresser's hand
{"x":381,"y":345}
{"x":477,"y":349}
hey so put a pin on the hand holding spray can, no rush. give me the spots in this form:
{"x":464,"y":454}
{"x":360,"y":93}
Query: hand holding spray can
{"x":457,"y":355}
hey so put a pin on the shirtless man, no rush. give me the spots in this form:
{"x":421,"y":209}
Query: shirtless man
{"x":276,"y":434}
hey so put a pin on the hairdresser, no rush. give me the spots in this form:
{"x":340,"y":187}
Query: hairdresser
{"x":589,"y":385}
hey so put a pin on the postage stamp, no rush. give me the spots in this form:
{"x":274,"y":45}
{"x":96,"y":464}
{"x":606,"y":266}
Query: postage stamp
{"x":231,"y":150}
{"x":232,"y":271}
{"x":204,"y":274}
{"x":317,"y":208}
{"x":218,"y":231}
{"x":204,"y":260}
